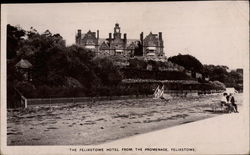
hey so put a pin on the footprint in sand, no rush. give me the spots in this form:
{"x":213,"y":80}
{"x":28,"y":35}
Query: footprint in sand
{"x":137,"y":122}
{"x":36,"y":138}
{"x":133,"y":117}
{"x":100,"y":119}
{"x":14,"y":133}
{"x":52,"y":122}
{"x":52,"y":128}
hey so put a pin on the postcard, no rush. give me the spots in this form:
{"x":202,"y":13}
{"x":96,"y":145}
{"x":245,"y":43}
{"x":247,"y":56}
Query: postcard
{"x":125,"y":78}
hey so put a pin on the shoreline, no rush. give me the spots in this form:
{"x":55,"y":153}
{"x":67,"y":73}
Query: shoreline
{"x":104,"y":121}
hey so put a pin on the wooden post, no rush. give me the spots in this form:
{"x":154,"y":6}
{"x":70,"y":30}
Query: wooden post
{"x":25,"y":101}
{"x":22,"y":98}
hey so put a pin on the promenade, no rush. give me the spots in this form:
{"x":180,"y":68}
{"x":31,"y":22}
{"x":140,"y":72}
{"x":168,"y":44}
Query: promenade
{"x":225,"y":134}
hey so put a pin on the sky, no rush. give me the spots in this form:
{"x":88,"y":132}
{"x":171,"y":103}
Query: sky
{"x":214,"y":32}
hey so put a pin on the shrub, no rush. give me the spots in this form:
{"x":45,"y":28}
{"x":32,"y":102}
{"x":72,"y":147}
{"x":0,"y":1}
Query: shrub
{"x":129,"y":73}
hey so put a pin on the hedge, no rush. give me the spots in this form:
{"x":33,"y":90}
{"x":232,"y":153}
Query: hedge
{"x":129,"y":73}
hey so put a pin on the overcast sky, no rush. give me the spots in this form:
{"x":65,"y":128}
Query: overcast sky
{"x":214,"y":32}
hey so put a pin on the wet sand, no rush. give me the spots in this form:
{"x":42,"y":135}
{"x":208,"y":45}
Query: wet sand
{"x":103,"y":121}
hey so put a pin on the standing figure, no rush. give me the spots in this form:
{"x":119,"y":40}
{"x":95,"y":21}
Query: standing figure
{"x":224,"y":99}
{"x":230,"y":107}
{"x":232,"y":101}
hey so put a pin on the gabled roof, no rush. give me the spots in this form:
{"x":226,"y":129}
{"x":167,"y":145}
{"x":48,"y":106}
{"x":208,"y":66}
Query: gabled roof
{"x":151,"y":36}
{"x":104,"y":46}
{"x":24,"y":64}
{"x":152,"y":40}
{"x":101,"y":40}
{"x":131,"y":46}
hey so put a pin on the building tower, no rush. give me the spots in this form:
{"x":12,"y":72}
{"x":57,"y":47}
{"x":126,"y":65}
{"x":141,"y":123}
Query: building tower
{"x":117,"y":31}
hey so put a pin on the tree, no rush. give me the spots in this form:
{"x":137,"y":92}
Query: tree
{"x":220,"y":73}
{"x":187,"y":61}
{"x":14,"y":37}
{"x":137,"y":64}
{"x":107,"y":71}
{"x":47,"y":54}
{"x":81,"y":67}
{"x":218,"y":85}
{"x":155,"y":64}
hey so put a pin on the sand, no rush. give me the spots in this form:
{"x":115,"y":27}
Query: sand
{"x":104,"y":121}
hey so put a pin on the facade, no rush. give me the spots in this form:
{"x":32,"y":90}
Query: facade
{"x":152,"y":45}
{"x":88,"y":40}
{"x":118,"y":44}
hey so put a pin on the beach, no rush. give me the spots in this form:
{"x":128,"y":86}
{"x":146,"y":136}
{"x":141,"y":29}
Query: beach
{"x":104,"y":121}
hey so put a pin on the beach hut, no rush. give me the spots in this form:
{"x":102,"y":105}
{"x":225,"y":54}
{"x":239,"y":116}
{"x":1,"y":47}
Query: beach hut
{"x":24,"y":67}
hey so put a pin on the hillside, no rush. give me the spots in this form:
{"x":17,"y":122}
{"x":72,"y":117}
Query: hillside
{"x":55,"y":70}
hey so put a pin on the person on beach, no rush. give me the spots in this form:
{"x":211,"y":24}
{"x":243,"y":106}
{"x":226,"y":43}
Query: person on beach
{"x":228,"y":98}
{"x":224,"y":99}
{"x":225,"y":102}
{"x":232,"y":101}
{"x":228,"y":104}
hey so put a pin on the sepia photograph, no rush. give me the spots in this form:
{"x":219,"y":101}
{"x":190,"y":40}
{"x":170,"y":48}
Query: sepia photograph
{"x":125,"y":78}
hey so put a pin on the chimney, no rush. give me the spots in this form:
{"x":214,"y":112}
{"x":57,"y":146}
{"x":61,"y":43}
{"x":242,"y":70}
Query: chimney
{"x":160,"y":35}
{"x":97,"y":34}
{"x":125,"y":36}
{"x":79,"y":32}
{"x":78,"y":36}
{"x":141,"y":37}
{"x":110,"y":36}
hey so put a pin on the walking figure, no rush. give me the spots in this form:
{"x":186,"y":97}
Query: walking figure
{"x":232,"y":101}
{"x":230,"y":107}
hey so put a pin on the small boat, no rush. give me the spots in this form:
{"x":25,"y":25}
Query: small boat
{"x":159,"y":93}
